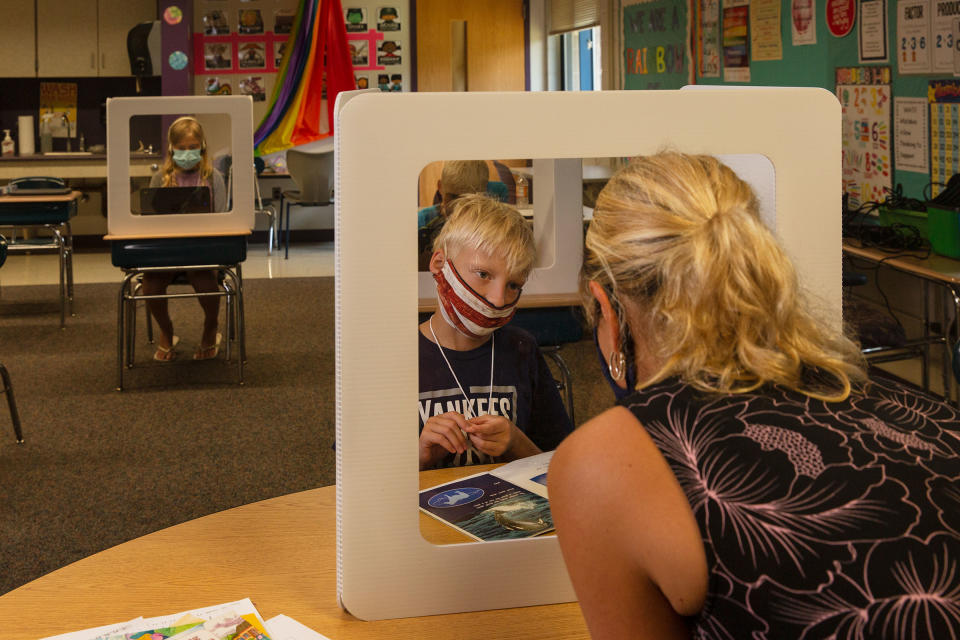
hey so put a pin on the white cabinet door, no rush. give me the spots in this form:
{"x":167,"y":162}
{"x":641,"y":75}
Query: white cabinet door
{"x":18,"y":38}
{"x":66,"y":38}
{"x":115,"y":19}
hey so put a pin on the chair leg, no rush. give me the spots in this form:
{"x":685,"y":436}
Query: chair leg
{"x":12,"y":403}
{"x":122,"y":313}
{"x":566,"y":380}
{"x":286,"y":249}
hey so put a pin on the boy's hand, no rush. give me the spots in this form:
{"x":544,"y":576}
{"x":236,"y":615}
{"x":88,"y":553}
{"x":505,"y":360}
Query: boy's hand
{"x":441,"y":435}
{"x":492,"y":435}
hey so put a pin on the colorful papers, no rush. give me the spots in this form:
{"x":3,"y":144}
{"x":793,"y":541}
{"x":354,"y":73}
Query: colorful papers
{"x":230,"y":621}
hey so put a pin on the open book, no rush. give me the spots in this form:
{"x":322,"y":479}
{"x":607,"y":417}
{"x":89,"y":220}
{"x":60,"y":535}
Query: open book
{"x":507,"y":502}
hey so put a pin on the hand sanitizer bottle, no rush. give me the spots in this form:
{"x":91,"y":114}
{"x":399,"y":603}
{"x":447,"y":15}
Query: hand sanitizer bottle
{"x":7,"y":145}
{"x":523,"y":194}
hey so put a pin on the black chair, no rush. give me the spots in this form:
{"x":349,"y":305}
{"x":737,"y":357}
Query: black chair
{"x":4,"y":375}
{"x":553,"y":327}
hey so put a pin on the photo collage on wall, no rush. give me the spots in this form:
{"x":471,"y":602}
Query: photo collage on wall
{"x":239,"y":46}
{"x":377,"y":34}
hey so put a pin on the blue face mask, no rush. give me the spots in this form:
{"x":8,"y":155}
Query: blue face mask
{"x":186,"y":159}
{"x":631,"y":373}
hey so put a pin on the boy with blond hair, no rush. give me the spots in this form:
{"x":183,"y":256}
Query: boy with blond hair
{"x":486,"y":393}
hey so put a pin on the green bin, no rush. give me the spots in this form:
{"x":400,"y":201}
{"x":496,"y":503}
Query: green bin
{"x":944,"y":226}
{"x":917,"y":219}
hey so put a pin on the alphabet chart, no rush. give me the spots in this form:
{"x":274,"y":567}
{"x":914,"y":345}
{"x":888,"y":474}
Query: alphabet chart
{"x":867,"y":169}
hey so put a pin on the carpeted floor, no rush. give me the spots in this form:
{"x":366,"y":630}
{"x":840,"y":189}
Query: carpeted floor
{"x":100,"y":467}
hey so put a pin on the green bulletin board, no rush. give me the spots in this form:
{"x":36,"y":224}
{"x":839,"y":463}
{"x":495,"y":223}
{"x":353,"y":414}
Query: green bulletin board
{"x":815,"y":65}
{"x":655,"y":45}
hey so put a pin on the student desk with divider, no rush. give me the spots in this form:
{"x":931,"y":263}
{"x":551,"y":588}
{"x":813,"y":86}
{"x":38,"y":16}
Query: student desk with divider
{"x":44,"y":212}
{"x":280,"y":552}
{"x":940,"y":271}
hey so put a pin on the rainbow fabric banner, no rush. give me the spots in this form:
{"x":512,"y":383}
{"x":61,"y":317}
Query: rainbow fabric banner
{"x":315,"y":68}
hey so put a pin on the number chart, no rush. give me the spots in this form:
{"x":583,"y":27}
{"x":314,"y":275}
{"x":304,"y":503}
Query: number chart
{"x":867,"y":170}
{"x":944,"y":96}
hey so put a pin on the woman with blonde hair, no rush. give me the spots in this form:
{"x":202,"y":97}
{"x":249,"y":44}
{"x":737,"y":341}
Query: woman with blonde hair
{"x":751,"y":483}
{"x":187,"y":165}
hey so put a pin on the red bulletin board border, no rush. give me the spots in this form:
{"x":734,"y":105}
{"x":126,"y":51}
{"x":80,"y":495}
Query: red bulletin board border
{"x":269,"y":38}
{"x":372,"y":37}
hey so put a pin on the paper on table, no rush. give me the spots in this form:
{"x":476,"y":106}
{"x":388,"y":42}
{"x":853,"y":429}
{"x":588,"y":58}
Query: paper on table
{"x":94,"y":632}
{"x":286,"y":628}
{"x":528,"y":473}
{"x":121,"y":629}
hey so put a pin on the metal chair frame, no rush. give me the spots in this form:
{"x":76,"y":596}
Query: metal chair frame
{"x":273,"y":233}
{"x":60,"y":241}
{"x":565,"y":383}
{"x":232,"y":290}
{"x":4,"y":375}
{"x":12,"y":403}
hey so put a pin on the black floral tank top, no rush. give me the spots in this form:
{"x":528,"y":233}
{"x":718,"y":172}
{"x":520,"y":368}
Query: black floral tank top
{"x":820,"y":520}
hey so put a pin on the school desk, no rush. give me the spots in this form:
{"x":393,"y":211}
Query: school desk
{"x":44,"y":212}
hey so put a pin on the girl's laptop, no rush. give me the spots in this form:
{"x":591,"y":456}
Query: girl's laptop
{"x":166,"y":200}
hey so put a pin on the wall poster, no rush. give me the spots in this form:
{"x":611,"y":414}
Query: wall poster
{"x":945,"y":15}
{"x":913,"y":36}
{"x":944,"y":97}
{"x":58,"y":99}
{"x":910,"y":135}
{"x":803,"y":22}
{"x":656,"y":45}
{"x":708,"y":38}
{"x":872,"y":42}
{"x":867,"y":167}
{"x":736,"y":41}
{"x":766,"y":43}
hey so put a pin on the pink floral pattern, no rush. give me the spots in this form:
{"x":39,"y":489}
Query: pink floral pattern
{"x":820,"y":520}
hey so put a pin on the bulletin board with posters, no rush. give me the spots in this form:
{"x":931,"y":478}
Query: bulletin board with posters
{"x":378,"y":34}
{"x":239,"y":45}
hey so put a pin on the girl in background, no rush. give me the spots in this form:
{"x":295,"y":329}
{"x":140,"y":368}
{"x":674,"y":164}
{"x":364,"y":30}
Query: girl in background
{"x":187,"y":165}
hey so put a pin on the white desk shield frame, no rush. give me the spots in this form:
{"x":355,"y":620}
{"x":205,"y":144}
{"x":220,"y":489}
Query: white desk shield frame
{"x":385,"y":569}
{"x":121,"y":222}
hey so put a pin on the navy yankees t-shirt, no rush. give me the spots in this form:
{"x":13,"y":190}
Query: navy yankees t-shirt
{"x":524,"y":390}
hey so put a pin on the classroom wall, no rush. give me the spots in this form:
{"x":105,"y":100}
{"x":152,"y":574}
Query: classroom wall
{"x":814,"y":66}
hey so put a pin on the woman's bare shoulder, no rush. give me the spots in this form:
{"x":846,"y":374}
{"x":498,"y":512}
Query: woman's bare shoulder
{"x":611,"y":472}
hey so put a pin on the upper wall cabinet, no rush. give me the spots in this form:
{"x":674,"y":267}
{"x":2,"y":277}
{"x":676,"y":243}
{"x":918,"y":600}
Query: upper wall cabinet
{"x":81,"y":39}
{"x":18,"y":35}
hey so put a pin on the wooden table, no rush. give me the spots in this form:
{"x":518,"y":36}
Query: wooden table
{"x":279,"y":552}
{"x":935,"y":269}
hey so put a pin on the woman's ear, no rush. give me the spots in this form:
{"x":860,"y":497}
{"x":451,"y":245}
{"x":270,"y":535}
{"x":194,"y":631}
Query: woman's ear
{"x":608,"y":323}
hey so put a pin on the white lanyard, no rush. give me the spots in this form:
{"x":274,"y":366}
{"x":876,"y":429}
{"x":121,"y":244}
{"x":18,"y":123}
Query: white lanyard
{"x":467,"y":413}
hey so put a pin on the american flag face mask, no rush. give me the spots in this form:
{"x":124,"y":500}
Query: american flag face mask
{"x":466,"y":310}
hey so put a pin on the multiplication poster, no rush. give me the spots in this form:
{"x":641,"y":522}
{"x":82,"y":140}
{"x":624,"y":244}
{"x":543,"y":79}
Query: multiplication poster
{"x":944,"y":98}
{"x":867,"y":167}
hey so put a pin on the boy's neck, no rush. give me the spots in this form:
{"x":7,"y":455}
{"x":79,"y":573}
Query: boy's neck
{"x":449,"y":337}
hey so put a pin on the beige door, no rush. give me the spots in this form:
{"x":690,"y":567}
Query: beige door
{"x":494,"y":44}
{"x":18,"y":38}
{"x":66,"y":38}
{"x":115,"y":19}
